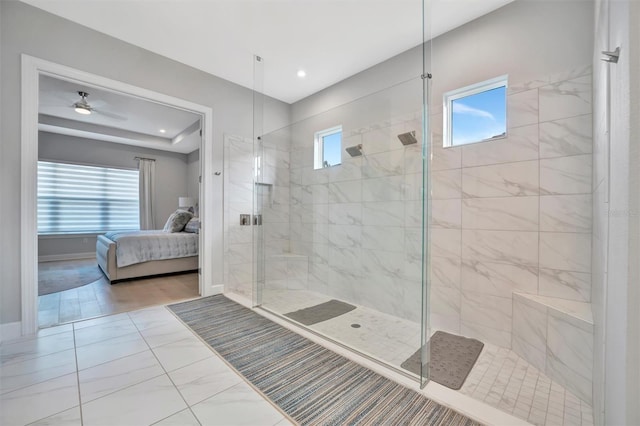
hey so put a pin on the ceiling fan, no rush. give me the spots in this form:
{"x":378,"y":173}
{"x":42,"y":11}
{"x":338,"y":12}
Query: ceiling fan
{"x":83,"y":107}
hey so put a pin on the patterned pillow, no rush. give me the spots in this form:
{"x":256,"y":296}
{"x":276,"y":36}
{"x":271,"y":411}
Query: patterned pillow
{"x":193,"y":226}
{"x":177,"y":221}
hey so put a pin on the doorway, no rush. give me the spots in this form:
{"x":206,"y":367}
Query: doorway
{"x":32,"y":70}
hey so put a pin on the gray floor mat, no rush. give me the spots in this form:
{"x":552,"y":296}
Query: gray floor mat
{"x":322,"y":312}
{"x":452,"y":358}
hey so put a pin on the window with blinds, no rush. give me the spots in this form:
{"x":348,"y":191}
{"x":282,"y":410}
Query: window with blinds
{"x":75,"y":198}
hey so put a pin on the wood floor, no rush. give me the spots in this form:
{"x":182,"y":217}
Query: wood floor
{"x":101,"y":298}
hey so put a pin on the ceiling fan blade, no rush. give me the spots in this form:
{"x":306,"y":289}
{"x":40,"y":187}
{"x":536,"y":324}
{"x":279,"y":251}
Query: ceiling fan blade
{"x":110,"y":115}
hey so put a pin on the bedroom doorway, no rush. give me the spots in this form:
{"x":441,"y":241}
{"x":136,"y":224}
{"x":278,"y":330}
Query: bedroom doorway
{"x":98,"y":297}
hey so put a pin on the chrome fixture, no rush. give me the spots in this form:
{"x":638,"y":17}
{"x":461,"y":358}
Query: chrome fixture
{"x":611,"y":56}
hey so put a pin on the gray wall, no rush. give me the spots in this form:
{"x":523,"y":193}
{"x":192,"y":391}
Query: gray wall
{"x":193,"y":174}
{"x":28,"y":30}
{"x":171,"y":179}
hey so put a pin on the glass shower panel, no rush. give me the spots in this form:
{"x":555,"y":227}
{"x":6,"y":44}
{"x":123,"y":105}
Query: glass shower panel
{"x":425,"y":323}
{"x":259,"y":192}
{"x":343,"y":244}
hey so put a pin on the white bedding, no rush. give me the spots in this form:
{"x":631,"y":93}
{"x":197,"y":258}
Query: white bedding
{"x":142,"y":246}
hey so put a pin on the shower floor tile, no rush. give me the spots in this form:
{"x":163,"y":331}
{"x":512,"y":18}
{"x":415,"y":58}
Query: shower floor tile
{"x":499,"y":378}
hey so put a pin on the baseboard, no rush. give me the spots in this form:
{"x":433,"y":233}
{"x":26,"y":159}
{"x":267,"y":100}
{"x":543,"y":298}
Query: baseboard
{"x":217,"y":289}
{"x":68,"y":256}
{"x":10,"y":331}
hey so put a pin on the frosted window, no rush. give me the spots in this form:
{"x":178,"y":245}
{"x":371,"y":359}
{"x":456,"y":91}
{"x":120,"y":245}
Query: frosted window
{"x":86,"y":199}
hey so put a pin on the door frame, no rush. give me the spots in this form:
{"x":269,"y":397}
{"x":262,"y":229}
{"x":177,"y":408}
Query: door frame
{"x":211,"y":214}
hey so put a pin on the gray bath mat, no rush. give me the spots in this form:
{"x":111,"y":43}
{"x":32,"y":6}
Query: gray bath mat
{"x":322,"y":312}
{"x":452,"y":358}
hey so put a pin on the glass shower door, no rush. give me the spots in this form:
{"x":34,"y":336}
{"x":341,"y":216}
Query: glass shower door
{"x":349,"y":230}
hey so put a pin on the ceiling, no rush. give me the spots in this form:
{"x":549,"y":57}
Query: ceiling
{"x":330,"y":39}
{"x":116,"y":117}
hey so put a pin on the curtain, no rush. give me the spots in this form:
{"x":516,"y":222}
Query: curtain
{"x":147,"y":188}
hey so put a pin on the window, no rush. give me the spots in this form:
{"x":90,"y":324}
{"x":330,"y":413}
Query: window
{"x":76,"y":199}
{"x":476,"y":113}
{"x":328,"y":148}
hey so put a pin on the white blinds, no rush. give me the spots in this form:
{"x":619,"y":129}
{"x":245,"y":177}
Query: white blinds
{"x":75,"y":198}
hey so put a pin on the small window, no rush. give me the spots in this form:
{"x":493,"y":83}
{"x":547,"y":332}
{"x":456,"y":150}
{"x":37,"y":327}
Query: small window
{"x":328,"y":148}
{"x":476,"y":113}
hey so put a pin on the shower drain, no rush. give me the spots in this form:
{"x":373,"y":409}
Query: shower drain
{"x":355,"y":325}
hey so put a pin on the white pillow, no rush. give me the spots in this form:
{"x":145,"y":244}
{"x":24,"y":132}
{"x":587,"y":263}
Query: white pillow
{"x":177,"y":221}
{"x":193,"y":226}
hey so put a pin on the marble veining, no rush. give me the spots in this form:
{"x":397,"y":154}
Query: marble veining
{"x":383,"y":213}
{"x":522,"y":108}
{"x":508,"y":214}
{"x":383,"y":189}
{"x":498,"y":279}
{"x":569,"y":136}
{"x":446,"y":213}
{"x":565,"y":213}
{"x":487,"y":310}
{"x":446,"y":184}
{"x":389,"y":163}
{"x":565,"y":284}
{"x":530,"y":327}
{"x":521,"y":144}
{"x":512,"y":247}
{"x":445,"y":272}
{"x":564,"y":99}
{"x":501,"y":180}
{"x":565,"y":175}
{"x":565,"y":251}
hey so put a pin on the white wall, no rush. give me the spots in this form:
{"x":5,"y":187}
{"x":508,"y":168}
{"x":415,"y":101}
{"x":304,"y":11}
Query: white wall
{"x":28,"y":30}
{"x":616,"y":237}
{"x":171,"y":179}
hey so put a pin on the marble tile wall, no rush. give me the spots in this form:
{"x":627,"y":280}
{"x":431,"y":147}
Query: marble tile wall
{"x":514,"y":215}
{"x":359,"y":222}
{"x":238,"y":199}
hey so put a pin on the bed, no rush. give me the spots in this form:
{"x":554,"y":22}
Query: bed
{"x":132,"y":254}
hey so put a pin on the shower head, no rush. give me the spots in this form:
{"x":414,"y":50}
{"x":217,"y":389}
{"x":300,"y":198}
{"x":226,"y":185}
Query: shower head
{"x":354,"y":151}
{"x":408,"y":138}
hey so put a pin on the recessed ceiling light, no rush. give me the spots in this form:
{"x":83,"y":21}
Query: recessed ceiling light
{"x":162,"y":131}
{"x":302,"y":73}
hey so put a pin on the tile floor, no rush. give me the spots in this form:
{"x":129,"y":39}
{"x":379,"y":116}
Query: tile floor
{"x":137,"y":368}
{"x":500,"y":377}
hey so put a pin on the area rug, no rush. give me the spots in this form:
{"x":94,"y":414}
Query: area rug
{"x":67,"y":277}
{"x":450,"y":361}
{"x":322,"y":312}
{"x":313,"y":385}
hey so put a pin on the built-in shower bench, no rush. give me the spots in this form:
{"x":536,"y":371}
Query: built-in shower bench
{"x":556,"y":336}
{"x":287,"y":271}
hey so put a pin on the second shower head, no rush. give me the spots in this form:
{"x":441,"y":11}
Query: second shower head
{"x":408,"y":138}
{"x":354,"y":151}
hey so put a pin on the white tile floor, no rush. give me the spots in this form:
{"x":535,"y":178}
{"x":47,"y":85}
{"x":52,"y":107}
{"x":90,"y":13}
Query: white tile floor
{"x":137,"y":368}
{"x":500,"y":378}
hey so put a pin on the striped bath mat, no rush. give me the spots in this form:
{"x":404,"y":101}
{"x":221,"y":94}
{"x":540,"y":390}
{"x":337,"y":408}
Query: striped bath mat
{"x":313,"y":385}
